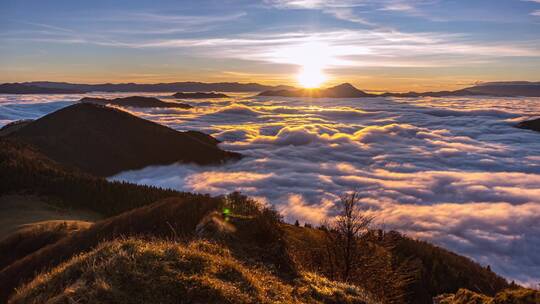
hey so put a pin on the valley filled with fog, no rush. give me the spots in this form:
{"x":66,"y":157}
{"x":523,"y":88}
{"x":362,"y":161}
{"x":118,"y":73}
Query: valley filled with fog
{"x":453,"y":171}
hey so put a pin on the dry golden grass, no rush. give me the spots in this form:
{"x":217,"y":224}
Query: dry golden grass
{"x":19,"y":210}
{"x":509,"y":296}
{"x":137,"y":271}
{"x":32,"y":237}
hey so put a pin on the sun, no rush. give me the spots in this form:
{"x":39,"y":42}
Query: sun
{"x":311,"y":57}
{"x":311,"y":77}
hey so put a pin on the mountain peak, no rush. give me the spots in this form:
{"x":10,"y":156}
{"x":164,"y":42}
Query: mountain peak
{"x":344,"y":85}
{"x":344,"y":90}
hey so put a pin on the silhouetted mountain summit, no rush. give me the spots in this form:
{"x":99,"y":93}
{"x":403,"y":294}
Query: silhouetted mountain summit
{"x":345,"y":90}
{"x":136,"y":101}
{"x":105,"y":141}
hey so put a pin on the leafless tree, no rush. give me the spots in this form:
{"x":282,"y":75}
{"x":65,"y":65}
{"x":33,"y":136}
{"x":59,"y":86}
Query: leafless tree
{"x":347,"y":229}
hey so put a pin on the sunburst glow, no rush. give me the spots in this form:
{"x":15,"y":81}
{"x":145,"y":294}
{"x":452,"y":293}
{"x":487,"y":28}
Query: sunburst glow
{"x":313,"y":57}
{"x":311,"y":77}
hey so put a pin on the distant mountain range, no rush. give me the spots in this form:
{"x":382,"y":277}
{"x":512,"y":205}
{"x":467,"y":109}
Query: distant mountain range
{"x":18,"y":88}
{"x":346,"y":90}
{"x":47,"y":87}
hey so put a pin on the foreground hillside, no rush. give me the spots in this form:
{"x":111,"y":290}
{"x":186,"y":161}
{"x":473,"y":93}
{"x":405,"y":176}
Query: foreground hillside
{"x":249,"y":245}
{"x":105,"y":141}
{"x":138,"y":271}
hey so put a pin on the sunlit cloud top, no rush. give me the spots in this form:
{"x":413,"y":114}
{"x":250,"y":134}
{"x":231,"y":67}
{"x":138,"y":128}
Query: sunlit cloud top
{"x":394,"y":44}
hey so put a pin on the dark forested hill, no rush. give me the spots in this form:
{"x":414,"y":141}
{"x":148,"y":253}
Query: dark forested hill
{"x":105,"y":141}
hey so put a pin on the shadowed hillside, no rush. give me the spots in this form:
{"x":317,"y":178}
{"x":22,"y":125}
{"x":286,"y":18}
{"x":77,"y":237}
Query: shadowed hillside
{"x":105,"y":141}
{"x":25,"y":170}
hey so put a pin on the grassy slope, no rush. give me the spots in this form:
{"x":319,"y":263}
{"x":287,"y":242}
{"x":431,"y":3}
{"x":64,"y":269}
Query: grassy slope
{"x":507,"y":296}
{"x":31,"y":238}
{"x":172,"y":217}
{"x":136,"y":271}
{"x":16,"y":211}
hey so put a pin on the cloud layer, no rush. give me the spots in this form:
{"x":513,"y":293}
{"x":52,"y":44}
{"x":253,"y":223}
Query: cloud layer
{"x":453,"y":171}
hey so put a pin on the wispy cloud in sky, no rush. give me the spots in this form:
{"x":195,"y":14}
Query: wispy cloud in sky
{"x":350,"y":10}
{"x":349,"y":35}
{"x":398,"y":6}
{"x":536,"y":12}
{"x":340,"y":48}
{"x":174,"y":19}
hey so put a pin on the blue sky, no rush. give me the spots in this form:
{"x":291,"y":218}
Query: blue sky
{"x":384,"y":44}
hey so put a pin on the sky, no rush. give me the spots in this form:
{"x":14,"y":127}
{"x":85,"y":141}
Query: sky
{"x":377,"y":45}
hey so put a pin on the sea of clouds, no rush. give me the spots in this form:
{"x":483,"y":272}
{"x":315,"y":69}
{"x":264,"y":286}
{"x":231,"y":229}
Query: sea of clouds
{"x":453,"y":171}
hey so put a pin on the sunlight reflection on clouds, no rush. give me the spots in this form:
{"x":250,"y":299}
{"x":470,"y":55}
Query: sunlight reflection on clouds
{"x":453,"y":171}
